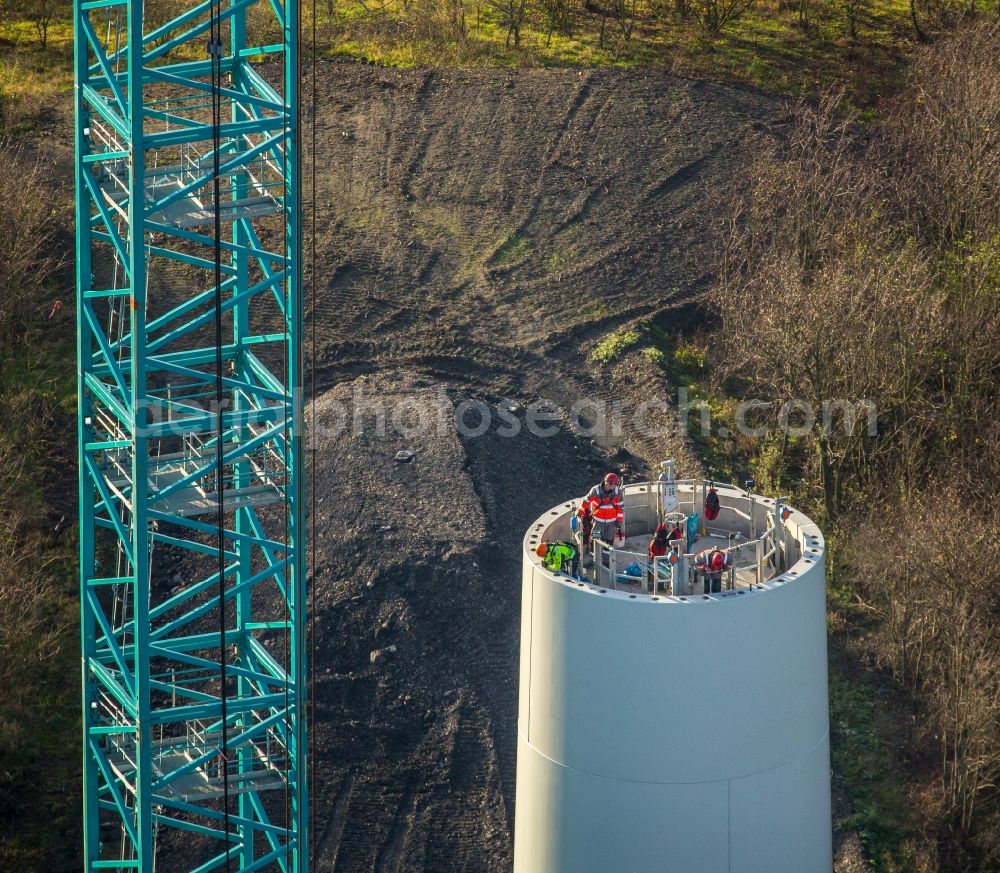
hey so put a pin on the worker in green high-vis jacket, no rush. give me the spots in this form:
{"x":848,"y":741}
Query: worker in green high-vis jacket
{"x":559,"y":557}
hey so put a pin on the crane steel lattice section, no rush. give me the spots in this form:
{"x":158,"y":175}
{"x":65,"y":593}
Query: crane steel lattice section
{"x":193,"y":689}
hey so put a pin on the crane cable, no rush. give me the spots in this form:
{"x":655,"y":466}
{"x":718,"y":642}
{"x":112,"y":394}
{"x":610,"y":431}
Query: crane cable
{"x":312,"y":461}
{"x":215,"y":50}
{"x":312,"y":466}
{"x":291,"y":573}
{"x":216,"y":53}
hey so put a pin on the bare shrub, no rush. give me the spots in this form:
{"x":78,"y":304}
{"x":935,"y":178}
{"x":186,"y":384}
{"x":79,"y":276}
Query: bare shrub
{"x":933,"y":580}
{"x":440,"y":22}
{"x":716,"y":14}
{"x":31,"y":633}
{"x":625,"y":14}
{"x":512,"y":16}
{"x":27,"y":251}
{"x":42,"y":13}
{"x":941,"y":152}
{"x":941,"y":144}
{"x":558,"y":17}
{"x":821,"y":300}
{"x":854,"y":11}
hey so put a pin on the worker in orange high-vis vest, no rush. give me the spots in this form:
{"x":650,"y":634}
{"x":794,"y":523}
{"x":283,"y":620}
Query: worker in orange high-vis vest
{"x":606,"y":507}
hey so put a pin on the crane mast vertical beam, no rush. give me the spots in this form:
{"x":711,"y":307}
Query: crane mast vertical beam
{"x":193,"y":649}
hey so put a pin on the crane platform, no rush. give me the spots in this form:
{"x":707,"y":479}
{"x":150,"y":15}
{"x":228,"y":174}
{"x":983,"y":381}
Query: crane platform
{"x":204,"y":782}
{"x":185,"y":188}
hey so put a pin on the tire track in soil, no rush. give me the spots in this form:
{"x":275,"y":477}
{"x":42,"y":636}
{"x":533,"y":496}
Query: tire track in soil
{"x":683,"y":175}
{"x":419,"y":152}
{"x":390,"y":858}
{"x":580,"y":98}
{"x":328,"y":848}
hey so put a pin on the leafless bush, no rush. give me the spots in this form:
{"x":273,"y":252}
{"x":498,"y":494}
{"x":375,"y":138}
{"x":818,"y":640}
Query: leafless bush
{"x":807,"y":188}
{"x":441,"y":22}
{"x":512,"y":15}
{"x":625,"y":13}
{"x":31,"y":633}
{"x":941,"y":153}
{"x":933,"y":580}
{"x":27,"y":633}
{"x":867,"y":267}
{"x":941,"y":145}
{"x":820,"y":300}
{"x":716,"y":14}
{"x":41,"y":13}
{"x":930,"y":17}
{"x":27,"y":251}
{"x":558,"y":17}
{"x":854,"y":10}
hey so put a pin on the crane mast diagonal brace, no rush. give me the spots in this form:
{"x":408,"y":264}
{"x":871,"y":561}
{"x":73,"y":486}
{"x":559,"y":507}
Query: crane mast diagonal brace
{"x":166,"y":647}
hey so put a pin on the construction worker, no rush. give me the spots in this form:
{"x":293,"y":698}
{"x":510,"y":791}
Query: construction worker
{"x":605,"y":503}
{"x":659,"y":545}
{"x":559,"y":557}
{"x":712,"y":563}
{"x":583,"y":530}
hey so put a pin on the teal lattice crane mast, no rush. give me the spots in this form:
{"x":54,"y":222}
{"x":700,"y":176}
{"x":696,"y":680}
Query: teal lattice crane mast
{"x":193,"y":590}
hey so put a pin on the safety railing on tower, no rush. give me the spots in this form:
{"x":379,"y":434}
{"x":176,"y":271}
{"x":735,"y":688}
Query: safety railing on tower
{"x":747,"y":527}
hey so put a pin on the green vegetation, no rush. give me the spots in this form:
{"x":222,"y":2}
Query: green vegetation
{"x":611,"y":348}
{"x":513,"y":249}
{"x":683,"y":361}
{"x":683,"y":365}
{"x":31,"y":78}
{"x":869,"y":775}
{"x":560,"y":260}
{"x":771,"y":43}
{"x":655,"y":356}
{"x":690,"y":358}
{"x":774,"y":44}
{"x":868,"y":716}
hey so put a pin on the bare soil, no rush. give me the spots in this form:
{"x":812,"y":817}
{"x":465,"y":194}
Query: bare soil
{"x":483,"y":226}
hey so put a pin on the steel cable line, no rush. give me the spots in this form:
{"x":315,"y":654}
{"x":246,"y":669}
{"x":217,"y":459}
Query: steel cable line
{"x":312,"y":461}
{"x":286,"y":454}
{"x":215,"y":50}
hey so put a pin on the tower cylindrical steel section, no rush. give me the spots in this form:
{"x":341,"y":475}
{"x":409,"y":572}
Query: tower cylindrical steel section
{"x":664,"y":733}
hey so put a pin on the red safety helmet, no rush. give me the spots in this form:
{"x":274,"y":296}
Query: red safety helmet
{"x":542,"y":549}
{"x":719,"y":560}
{"x":611,"y":480}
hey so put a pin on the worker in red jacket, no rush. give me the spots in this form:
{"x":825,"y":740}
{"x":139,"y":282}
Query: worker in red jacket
{"x":712,"y":563}
{"x":659,"y":545}
{"x":584,"y":527}
{"x":607,"y":509}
